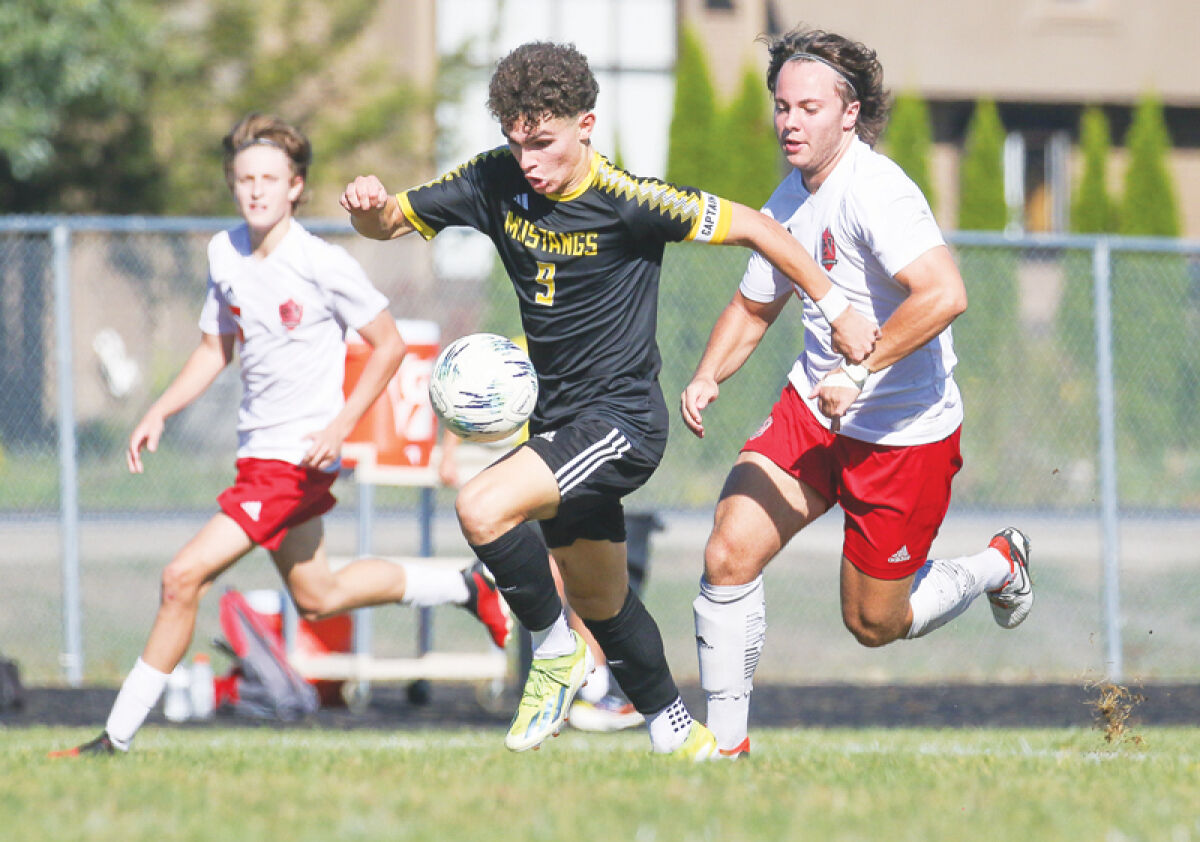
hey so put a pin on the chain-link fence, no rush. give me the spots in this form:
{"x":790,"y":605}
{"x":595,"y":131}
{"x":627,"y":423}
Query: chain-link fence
{"x":1077,"y":363}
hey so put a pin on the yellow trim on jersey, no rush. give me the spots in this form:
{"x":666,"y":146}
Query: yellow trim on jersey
{"x":657,"y":195}
{"x":413,"y":217}
{"x":587,"y":182}
{"x":712,"y":223}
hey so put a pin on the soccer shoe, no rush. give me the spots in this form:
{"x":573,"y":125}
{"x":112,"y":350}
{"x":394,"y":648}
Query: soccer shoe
{"x":549,"y":691}
{"x":485,"y":602}
{"x":1011,"y":602}
{"x":610,"y":713}
{"x":699,"y":746}
{"x":742,"y":749}
{"x":101,"y":746}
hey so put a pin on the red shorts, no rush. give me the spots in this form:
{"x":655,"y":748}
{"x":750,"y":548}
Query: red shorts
{"x":894,"y":497}
{"x":269,"y":496}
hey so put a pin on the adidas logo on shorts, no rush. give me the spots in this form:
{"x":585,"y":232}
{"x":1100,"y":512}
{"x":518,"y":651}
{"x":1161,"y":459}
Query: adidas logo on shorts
{"x":900,"y":556}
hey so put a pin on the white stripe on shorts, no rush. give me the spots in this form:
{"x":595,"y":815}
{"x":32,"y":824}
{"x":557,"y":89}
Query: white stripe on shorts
{"x":612,"y":446}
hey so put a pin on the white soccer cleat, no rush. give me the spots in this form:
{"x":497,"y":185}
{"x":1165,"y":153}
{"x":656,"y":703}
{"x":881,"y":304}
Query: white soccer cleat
{"x":1012,"y":602}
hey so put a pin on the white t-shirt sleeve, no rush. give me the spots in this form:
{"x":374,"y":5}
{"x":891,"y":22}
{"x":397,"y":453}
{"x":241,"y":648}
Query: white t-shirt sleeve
{"x":761,"y":281}
{"x":354,"y":300}
{"x":215,"y":316}
{"x":896,"y":222}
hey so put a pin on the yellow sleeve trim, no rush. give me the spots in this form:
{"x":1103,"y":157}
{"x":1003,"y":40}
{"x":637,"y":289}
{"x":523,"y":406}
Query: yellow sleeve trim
{"x":713,"y":221}
{"x":413,"y":217}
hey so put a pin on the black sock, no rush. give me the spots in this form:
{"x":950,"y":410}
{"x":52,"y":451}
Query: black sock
{"x":521,"y":567}
{"x":633,"y":646}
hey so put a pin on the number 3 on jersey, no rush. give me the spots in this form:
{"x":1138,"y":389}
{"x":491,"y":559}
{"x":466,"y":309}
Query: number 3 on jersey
{"x":545,"y":278}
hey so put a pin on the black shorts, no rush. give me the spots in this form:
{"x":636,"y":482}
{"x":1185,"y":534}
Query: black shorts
{"x":595,"y":466}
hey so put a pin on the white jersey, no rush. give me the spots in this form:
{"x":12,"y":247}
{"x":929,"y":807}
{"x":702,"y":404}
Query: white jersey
{"x":867,"y":222}
{"x":290,"y":312}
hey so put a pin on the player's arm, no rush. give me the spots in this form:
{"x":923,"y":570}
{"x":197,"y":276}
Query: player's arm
{"x":374,"y":212}
{"x":936,"y":297}
{"x":854,"y":334}
{"x":387,"y":350}
{"x":738,"y":330}
{"x":214,"y":352}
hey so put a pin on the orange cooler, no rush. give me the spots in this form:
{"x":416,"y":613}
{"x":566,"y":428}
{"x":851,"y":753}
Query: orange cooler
{"x":401,"y":423}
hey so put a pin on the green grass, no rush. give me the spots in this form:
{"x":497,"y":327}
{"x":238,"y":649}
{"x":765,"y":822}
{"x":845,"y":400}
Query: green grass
{"x":252,"y":784}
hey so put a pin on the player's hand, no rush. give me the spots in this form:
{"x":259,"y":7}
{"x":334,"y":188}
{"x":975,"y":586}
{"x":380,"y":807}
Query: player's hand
{"x":325,"y":450}
{"x":835,"y":394}
{"x":366,"y":194}
{"x":695,"y":399}
{"x":854,"y":335}
{"x":146,"y":434}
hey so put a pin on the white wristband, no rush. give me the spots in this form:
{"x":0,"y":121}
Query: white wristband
{"x":833,"y":304}
{"x":857,"y":372}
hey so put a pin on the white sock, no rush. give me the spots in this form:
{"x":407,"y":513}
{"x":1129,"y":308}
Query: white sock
{"x":555,"y":641}
{"x":427,"y":585}
{"x":597,"y":685}
{"x":139,"y":694}
{"x":945,"y":588}
{"x":731,"y":628}
{"x":669,"y":727}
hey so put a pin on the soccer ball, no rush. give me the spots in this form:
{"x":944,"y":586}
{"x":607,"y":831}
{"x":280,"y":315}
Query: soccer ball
{"x":483,"y":387}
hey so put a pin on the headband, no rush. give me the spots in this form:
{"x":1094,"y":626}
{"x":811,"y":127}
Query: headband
{"x":803,"y":56}
{"x":260,"y":141}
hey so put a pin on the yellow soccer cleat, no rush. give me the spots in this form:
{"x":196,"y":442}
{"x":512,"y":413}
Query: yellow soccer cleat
{"x":549,"y":691}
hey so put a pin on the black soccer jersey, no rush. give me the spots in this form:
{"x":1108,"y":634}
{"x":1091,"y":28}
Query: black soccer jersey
{"x":585,"y":266}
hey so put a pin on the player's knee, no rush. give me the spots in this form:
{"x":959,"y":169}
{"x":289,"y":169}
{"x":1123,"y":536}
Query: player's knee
{"x":870,"y":628}
{"x":725,"y":563}
{"x":181,"y":582}
{"x":477,"y":515}
{"x":312,"y":607}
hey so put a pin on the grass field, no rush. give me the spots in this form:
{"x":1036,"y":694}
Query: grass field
{"x":261,"y":784}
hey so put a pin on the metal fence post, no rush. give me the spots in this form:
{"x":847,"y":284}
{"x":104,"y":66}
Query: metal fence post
{"x":1106,"y":406}
{"x":68,"y":478}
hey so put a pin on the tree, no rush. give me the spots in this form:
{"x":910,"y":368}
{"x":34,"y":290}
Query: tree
{"x":749,"y":169}
{"x":293,"y":58}
{"x":74,"y":123}
{"x":690,"y":151}
{"x":909,"y":139}
{"x":981,"y":205}
{"x":1149,"y":207}
{"x":1092,"y":211}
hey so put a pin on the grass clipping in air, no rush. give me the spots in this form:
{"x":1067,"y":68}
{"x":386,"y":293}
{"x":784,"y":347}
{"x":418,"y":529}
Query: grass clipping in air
{"x":1113,"y":708}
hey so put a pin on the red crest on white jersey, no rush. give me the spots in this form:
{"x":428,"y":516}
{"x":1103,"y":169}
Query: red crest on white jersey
{"x":828,"y":250}
{"x":290,"y":313}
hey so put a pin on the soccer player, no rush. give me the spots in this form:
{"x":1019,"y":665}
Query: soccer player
{"x":284,"y":299}
{"x":880,"y":436}
{"x":582,"y":242}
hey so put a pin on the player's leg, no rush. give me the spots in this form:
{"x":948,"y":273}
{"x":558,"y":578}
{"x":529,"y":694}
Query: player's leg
{"x":761,"y":508}
{"x":596,"y":582}
{"x":186,"y":579}
{"x":320,"y":591}
{"x":494,"y":509}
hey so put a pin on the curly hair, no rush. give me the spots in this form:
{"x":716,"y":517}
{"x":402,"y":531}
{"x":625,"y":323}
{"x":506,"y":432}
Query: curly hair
{"x":538,"y":80}
{"x":268,"y":130}
{"x":855,"y":61}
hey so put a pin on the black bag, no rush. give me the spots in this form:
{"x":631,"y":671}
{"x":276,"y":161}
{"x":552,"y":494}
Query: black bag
{"x":12,"y":694}
{"x":264,"y":684}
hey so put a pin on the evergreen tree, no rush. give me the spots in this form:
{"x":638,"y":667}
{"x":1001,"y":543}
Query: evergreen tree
{"x":986,"y":337}
{"x":749,"y":166}
{"x":690,"y":158}
{"x":981,"y":205}
{"x":1092,"y":211}
{"x":908,"y":141}
{"x":1149,"y":207}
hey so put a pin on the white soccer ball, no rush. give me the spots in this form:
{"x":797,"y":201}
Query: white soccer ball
{"x":483,"y":387}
